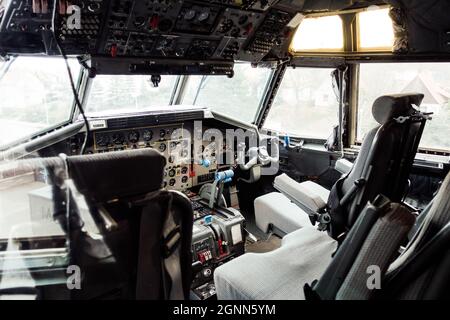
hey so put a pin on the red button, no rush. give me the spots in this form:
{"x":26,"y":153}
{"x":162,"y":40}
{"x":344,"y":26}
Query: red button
{"x":113,"y":50}
{"x":154,"y":22}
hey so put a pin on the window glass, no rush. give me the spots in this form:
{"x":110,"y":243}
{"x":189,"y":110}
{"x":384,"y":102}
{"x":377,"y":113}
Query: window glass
{"x":113,"y":93}
{"x":305,"y":104}
{"x":34,"y":207}
{"x":35,"y":94}
{"x":375,"y":30}
{"x":237,"y":97}
{"x":319,"y":34}
{"x":431,"y":79}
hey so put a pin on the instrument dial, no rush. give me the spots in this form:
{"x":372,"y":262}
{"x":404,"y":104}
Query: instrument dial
{"x":147,"y":135}
{"x":203,"y":16}
{"x":118,"y":138}
{"x":102,"y":140}
{"x":184,"y":153}
{"x":133,"y":136}
{"x":162,"y":147}
{"x":173,"y":145}
{"x":190,"y":14}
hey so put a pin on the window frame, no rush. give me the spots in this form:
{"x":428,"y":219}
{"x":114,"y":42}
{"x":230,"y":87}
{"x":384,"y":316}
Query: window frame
{"x":273,"y":91}
{"x":369,"y":50}
{"x":351,"y":35}
{"x":318,"y":50}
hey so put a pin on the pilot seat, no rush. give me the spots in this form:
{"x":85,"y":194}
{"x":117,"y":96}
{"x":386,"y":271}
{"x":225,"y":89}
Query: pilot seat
{"x":382,"y":167}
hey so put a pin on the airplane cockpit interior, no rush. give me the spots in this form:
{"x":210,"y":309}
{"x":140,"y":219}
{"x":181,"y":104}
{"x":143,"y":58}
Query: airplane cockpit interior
{"x":224,"y":150}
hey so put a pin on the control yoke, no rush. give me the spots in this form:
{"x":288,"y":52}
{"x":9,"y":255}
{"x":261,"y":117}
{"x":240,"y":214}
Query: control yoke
{"x":259,"y":155}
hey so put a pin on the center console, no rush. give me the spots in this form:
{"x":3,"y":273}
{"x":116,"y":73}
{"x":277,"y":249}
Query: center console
{"x":218,"y":236}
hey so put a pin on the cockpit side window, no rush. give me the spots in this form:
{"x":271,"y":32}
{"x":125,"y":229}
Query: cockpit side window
{"x":305,"y":104}
{"x":431,"y":79}
{"x":35,"y":95}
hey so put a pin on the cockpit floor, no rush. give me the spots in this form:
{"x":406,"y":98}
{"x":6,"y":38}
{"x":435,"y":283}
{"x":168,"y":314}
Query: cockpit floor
{"x":263,"y":245}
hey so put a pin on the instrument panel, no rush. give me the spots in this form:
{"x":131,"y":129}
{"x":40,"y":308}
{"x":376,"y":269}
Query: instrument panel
{"x":175,"y":142}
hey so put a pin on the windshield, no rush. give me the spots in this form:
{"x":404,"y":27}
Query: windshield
{"x":238,"y":97}
{"x":35,"y":95}
{"x":124,"y":93}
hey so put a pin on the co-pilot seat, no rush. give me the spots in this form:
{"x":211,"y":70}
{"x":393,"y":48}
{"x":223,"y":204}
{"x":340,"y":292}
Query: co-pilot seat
{"x":382,"y":167}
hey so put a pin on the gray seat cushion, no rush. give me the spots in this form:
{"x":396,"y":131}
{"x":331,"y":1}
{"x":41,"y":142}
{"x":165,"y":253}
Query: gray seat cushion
{"x":276,"y":209}
{"x":308,"y":193}
{"x":279,"y":274}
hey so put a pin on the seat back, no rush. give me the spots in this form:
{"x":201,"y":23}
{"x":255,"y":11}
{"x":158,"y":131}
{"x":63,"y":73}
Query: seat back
{"x":422,"y":271}
{"x":142,"y":250}
{"x":383,"y":163}
{"x":370,"y":243}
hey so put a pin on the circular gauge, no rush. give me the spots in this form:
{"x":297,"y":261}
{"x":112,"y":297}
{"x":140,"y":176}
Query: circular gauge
{"x":171,"y":159}
{"x":118,"y":138}
{"x":133,"y":136}
{"x":173,"y":145}
{"x":236,"y":32}
{"x":162,"y":133}
{"x":184,"y":170}
{"x":94,"y":7}
{"x":190,"y":14}
{"x":172,"y":182}
{"x":102,"y":140}
{"x":184,"y":179}
{"x":147,"y":135}
{"x":172,"y":173}
{"x":203,"y":16}
{"x":162,"y":147}
{"x":184,"y":153}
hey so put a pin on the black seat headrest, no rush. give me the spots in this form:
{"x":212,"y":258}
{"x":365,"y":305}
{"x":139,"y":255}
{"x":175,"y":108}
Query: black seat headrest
{"x":388,"y":107}
{"x":105,"y":176}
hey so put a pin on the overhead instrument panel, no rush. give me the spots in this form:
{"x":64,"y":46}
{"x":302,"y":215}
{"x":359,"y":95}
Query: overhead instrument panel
{"x":155,"y":33}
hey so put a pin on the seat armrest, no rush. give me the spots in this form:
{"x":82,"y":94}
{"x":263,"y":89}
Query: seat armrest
{"x":308,"y":195}
{"x":343,"y":166}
